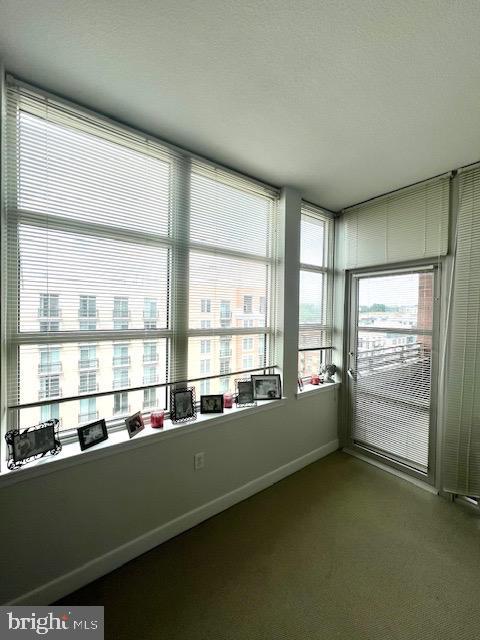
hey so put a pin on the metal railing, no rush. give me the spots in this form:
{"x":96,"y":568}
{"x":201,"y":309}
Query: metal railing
{"x":391,"y":357}
{"x":43,"y":394}
{"x":120,"y":384}
{"x":88,"y":363}
{"x":49,"y":367}
{"x":88,"y":388}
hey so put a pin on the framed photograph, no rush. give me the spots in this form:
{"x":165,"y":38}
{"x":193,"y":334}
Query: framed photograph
{"x":32,"y":443}
{"x":244,"y":393}
{"x":211,"y":404}
{"x":134,"y":424}
{"x":182,"y":405}
{"x":267,"y":387}
{"x":91,"y":434}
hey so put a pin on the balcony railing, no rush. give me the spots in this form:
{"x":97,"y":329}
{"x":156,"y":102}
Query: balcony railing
{"x":225,"y":315}
{"x":88,"y":388}
{"x":88,"y":363}
{"x":121,"y":315}
{"x":87,"y":417}
{"x":88,"y":314}
{"x":49,"y":367}
{"x":119,"y":384}
{"x":225,"y":353}
{"x":150,"y":357}
{"x":49,"y":393}
{"x":121,"y":361}
{"x":150,"y":379}
{"x":390,"y":357}
{"x":47,"y":314}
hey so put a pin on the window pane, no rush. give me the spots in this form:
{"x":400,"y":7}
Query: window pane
{"x":310,"y":362}
{"x":227,"y":281}
{"x":91,"y":179}
{"x":84,"y":368}
{"x":313,"y":245}
{"x":312,"y":298}
{"x":221,"y":214}
{"x":227,"y":354}
{"x":397,"y":302}
{"x":84,"y":273}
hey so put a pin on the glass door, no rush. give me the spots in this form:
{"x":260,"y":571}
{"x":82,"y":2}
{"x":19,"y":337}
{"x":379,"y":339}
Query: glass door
{"x":391,"y":367}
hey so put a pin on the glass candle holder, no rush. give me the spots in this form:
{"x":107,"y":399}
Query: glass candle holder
{"x":315,"y":378}
{"x":227,"y":400}
{"x":156,"y":419}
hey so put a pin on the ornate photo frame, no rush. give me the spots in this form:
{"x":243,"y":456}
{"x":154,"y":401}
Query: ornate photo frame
{"x":244,"y":393}
{"x":33,"y":443}
{"x":183,"y":405}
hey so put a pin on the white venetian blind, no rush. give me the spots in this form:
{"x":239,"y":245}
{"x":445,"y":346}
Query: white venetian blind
{"x":410,"y":224}
{"x":392,"y":370}
{"x":124,"y":254}
{"x":231,"y":274}
{"x":462,"y":428}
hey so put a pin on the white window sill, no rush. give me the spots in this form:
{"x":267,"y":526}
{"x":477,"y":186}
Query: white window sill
{"x":314,"y":389}
{"x":119,"y":442}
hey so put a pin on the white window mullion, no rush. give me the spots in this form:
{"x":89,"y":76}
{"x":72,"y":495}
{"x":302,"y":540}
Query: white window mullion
{"x":180,"y":264}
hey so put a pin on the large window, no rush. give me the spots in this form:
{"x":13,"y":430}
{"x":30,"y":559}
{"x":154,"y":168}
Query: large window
{"x":118,"y":249}
{"x":316,"y":285}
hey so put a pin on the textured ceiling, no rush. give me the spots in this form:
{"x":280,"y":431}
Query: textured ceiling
{"x":343,"y":100}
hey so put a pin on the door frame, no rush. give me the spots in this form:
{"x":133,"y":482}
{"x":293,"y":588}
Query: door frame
{"x":352,"y":280}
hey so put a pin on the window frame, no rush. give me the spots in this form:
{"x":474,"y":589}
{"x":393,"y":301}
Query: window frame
{"x":327,"y":269}
{"x":178,"y":244}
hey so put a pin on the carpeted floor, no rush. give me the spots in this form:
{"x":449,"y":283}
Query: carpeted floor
{"x":338,"y":550}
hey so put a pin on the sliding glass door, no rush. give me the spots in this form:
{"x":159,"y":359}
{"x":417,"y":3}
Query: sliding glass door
{"x":392,"y":362}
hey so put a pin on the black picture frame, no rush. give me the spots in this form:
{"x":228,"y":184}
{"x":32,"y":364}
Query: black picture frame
{"x":134,"y":424}
{"x":211,"y":403}
{"x":91,"y":434}
{"x":33,"y":443}
{"x":267,"y":387}
{"x":182,"y":405}
{"x":244,"y":393}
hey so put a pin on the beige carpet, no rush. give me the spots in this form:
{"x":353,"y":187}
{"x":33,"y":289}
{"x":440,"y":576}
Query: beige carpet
{"x":338,"y":550}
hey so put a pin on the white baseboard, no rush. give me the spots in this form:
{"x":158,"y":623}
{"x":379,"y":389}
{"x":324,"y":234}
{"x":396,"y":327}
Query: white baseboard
{"x":97,"y":567}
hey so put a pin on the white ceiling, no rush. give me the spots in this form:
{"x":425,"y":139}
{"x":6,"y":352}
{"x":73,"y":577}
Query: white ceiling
{"x":343,"y":100}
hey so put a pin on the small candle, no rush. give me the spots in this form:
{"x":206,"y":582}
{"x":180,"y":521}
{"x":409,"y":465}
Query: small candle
{"x":156,"y":419}
{"x":315,"y":378}
{"x":227,"y":400}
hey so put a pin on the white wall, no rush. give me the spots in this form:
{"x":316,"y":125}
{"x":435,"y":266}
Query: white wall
{"x":63,"y":529}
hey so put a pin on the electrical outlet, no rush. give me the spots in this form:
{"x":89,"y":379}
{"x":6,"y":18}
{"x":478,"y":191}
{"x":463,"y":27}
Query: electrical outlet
{"x":199,"y":461}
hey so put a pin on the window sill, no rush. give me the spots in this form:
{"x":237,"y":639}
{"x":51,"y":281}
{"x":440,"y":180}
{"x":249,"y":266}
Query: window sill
{"x":314,"y":389}
{"x":119,"y":442}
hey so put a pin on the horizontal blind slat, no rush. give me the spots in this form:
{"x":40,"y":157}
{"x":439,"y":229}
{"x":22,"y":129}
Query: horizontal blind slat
{"x":96,"y":245}
{"x":409,"y":224}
